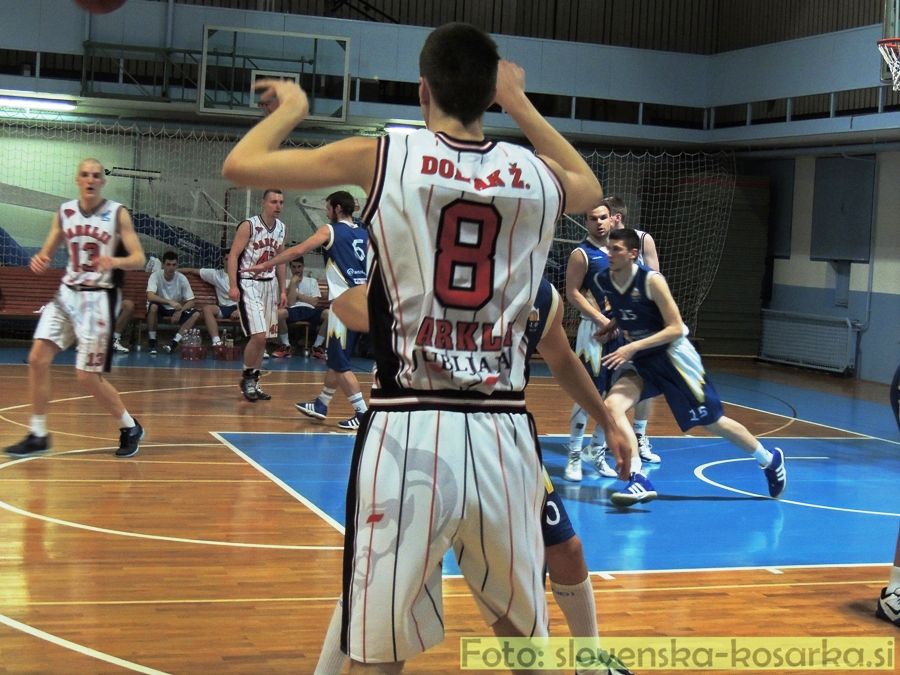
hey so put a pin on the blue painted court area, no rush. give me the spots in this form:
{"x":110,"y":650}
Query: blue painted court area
{"x":842,"y":505}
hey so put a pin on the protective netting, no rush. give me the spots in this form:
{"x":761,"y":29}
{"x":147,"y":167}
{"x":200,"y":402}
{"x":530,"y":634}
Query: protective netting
{"x":684,"y":200}
{"x":168,"y":177}
{"x":890,"y":52}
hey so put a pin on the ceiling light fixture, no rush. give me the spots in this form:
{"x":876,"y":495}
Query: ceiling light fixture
{"x":21,"y":103}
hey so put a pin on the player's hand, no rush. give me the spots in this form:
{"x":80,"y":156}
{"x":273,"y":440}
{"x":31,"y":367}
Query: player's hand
{"x":175,"y":305}
{"x":39,"y":263}
{"x":510,"y":83}
{"x":620,"y":357}
{"x":234,"y":293}
{"x":617,"y":443}
{"x":275,"y":94}
{"x":105,"y":263}
{"x":256,"y":269}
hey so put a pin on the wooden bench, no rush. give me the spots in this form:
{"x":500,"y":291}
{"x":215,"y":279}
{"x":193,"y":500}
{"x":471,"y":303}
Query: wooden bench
{"x":23,"y":293}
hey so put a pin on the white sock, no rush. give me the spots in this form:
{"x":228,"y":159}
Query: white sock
{"x":151,"y":334}
{"x":894,"y":583}
{"x":331,"y":658}
{"x":283,"y":338}
{"x":320,"y":340}
{"x":640,"y":427}
{"x":117,"y":336}
{"x":177,"y":338}
{"x":578,"y":606}
{"x":763,"y":456}
{"x":358,"y":402}
{"x":39,"y":425}
{"x":599,"y":438}
{"x":636,"y":466}
{"x":326,"y":395}
{"x":126,"y":421}
{"x":577,"y":422}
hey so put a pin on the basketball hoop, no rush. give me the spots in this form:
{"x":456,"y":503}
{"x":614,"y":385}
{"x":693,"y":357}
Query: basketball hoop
{"x":890,"y":51}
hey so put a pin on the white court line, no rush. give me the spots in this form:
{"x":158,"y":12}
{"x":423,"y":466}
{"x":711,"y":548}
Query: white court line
{"x":141,"y":535}
{"x":284,"y":486}
{"x":75,"y":647}
{"x":698,"y":472}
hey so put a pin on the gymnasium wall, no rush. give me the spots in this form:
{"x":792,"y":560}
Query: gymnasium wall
{"x":808,"y":286}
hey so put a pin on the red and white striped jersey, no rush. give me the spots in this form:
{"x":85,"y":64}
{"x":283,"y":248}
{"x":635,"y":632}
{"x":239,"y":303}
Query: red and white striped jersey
{"x":89,"y":236}
{"x":460,"y":233}
{"x":264,"y":243}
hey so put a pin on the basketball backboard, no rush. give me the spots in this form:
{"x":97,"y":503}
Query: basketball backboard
{"x":234,"y":58}
{"x":890,"y":29}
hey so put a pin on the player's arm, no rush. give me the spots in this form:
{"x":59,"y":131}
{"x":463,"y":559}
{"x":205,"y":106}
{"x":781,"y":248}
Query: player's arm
{"x":319,"y":238}
{"x":293,"y":291}
{"x":672,"y":330}
{"x":135,"y":259}
{"x":583,"y":191}
{"x":187,"y":293}
{"x":352,"y":308}
{"x":573,"y":378}
{"x":40,"y":261}
{"x":282,"y":295}
{"x":576,"y":269}
{"x":241,"y":239}
{"x":259,"y":161}
{"x":153,"y":296}
{"x":651,"y":259}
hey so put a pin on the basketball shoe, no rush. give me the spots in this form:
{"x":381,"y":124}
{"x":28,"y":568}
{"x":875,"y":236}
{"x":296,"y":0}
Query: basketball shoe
{"x":130,"y":440}
{"x":260,"y":394}
{"x":314,"y":408}
{"x":352,"y":422}
{"x":645,"y":450}
{"x":639,"y":489}
{"x":248,"y":388}
{"x":573,"y":466}
{"x":888,"y":607}
{"x":151,"y":347}
{"x":30,"y":445}
{"x":119,"y":347}
{"x":776,"y":474}
{"x":283,"y":352}
{"x":598,"y":458}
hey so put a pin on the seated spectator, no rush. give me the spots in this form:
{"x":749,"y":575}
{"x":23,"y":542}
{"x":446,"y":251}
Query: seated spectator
{"x":169,"y":296}
{"x":125,"y":313}
{"x":225,"y":306}
{"x":303,"y":296}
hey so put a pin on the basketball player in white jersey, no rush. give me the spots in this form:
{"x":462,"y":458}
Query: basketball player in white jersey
{"x":647,"y":256}
{"x":460,"y":227}
{"x":567,"y":568}
{"x":95,"y":232}
{"x":259,"y":295}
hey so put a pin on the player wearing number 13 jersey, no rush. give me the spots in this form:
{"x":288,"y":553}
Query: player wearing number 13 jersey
{"x":459,"y":229}
{"x":95,"y":232}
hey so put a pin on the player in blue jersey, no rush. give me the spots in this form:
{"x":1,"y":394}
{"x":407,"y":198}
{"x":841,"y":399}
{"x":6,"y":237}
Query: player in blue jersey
{"x":665,"y":362}
{"x":586,"y":261}
{"x":345,"y":244}
{"x":569,"y":578}
{"x":647,"y":256}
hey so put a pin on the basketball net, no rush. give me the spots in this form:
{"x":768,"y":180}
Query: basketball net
{"x":890,"y":51}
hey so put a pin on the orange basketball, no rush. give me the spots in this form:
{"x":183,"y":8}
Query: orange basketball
{"x":100,"y":6}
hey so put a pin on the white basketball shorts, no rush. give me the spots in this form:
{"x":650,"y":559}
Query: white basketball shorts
{"x":258,"y":306}
{"x":424,"y":481}
{"x":86,"y":317}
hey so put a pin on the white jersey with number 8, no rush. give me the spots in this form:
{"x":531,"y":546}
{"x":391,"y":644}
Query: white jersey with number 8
{"x":461,"y":231}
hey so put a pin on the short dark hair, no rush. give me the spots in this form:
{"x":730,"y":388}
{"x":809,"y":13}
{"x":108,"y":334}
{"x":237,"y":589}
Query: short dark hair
{"x":298,"y":259}
{"x":277,"y":191}
{"x":459,"y":62}
{"x":170,"y":255}
{"x":627,"y":236}
{"x":616,"y":206}
{"x":343,"y":200}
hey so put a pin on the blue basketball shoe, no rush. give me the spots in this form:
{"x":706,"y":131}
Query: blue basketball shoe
{"x":776,"y":474}
{"x":639,"y":489}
